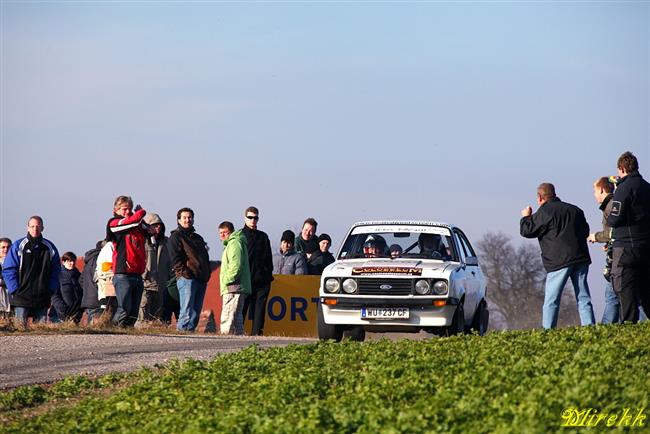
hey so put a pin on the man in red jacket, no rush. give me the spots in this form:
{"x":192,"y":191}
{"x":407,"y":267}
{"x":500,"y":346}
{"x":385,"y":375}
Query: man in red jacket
{"x":127,"y":231}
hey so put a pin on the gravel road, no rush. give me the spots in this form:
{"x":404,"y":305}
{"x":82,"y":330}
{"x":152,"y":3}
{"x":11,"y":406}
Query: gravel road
{"x":35,"y":359}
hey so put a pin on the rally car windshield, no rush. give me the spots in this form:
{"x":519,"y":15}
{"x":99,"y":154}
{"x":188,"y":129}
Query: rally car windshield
{"x":404,"y":242}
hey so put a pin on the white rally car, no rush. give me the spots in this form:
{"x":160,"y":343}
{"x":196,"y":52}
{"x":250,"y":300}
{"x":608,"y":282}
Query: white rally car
{"x":402,"y":276}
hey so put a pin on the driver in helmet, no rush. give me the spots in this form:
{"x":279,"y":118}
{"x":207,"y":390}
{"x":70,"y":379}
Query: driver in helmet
{"x":373,"y":247}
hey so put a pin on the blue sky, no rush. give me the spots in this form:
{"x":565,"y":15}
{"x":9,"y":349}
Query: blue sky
{"x":341,"y":111}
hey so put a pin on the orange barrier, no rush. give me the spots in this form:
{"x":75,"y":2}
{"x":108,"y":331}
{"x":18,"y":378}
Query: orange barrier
{"x":291,"y":307}
{"x":290,"y":310}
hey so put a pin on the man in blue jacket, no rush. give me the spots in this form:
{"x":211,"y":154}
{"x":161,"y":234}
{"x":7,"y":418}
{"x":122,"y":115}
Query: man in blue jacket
{"x":630,"y":220}
{"x":562,"y":231}
{"x":31,"y":272}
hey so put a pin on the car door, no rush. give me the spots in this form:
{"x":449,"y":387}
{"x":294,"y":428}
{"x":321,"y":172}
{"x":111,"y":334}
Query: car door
{"x":460,"y":275}
{"x":472,"y":274}
{"x":477,"y":273}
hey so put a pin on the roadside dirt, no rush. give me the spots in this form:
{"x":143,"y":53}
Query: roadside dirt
{"x":37,"y":359}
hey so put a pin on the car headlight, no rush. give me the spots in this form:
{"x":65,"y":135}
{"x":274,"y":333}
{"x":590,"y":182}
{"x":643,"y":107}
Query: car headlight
{"x":332,"y":285}
{"x":349,"y":286}
{"x":440,"y":287}
{"x":422,"y":287}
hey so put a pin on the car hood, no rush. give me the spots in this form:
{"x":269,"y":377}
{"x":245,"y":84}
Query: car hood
{"x":388,"y":267}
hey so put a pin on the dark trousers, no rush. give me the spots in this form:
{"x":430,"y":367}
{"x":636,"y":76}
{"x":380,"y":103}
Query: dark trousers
{"x":631,"y":280}
{"x":128,"y":290}
{"x":255,"y":308}
{"x":151,"y":305}
{"x":170,"y":307}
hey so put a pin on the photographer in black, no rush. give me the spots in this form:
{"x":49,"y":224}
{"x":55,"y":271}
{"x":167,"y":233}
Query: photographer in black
{"x":630,"y":220}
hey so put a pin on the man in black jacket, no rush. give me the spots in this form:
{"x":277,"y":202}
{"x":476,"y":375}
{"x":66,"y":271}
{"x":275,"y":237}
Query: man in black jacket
{"x":260,"y":259}
{"x":630,"y":220}
{"x":562,"y":231}
{"x":190,"y":261}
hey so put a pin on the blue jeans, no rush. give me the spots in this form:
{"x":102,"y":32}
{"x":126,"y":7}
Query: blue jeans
{"x":555,"y":281}
{"x":128,"y":291}
{"x":191,"y":293}
{"x":22,"y":313}
{"x":612,"y":312}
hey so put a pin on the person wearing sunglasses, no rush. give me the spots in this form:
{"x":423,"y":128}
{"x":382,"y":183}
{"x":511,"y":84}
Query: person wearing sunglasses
{"x":260,"y":259}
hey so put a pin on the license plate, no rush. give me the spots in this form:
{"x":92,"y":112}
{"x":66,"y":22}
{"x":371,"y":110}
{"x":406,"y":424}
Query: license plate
{"x":384,"y":312}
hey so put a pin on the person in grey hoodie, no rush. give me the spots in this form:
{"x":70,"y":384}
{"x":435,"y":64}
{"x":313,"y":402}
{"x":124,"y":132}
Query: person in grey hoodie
{"x":287,"y":260}
{"x":156,"y":271}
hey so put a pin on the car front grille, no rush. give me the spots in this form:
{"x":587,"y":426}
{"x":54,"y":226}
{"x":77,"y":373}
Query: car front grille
{"x":372,"y":286}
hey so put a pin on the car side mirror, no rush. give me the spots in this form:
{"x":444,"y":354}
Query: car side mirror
{"x":471,"y":260}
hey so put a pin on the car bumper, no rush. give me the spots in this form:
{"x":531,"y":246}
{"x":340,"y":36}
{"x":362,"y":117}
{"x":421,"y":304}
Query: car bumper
{"x":421,"y":314}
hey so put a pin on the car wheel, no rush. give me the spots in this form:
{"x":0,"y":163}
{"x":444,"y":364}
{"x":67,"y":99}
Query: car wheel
{"x":356,"y":333}
{"x":328,"y":331}
{"x":458,"y":321}
{"x":481,"y":318}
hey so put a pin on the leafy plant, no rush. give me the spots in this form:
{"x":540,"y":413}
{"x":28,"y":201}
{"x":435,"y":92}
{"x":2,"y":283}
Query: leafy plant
{"x":22,"y":397}
{"x":517,"y":381}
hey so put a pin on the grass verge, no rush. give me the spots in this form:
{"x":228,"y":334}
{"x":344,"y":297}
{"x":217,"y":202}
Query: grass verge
{"x":518,"y":381}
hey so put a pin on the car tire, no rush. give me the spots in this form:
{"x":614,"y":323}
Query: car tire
{"x":481,"y":319}
{"x":457,"y":322}
{"x":355,"y":333}
{"x":328,"y":331}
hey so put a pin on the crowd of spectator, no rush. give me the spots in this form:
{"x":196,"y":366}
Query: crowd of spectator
{"x":137,"y":275}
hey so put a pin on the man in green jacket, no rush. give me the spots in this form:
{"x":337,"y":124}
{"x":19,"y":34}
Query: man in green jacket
{"x":234,"y":279}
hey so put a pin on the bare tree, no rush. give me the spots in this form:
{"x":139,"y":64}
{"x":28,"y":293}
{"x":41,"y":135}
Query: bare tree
{"x":515,"y":279}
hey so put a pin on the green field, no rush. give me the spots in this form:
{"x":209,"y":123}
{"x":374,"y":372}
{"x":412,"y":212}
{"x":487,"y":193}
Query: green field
{"x":518,"y":381}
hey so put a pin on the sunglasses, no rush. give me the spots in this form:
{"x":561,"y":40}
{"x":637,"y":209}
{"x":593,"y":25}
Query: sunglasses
{"x":252,"y":217}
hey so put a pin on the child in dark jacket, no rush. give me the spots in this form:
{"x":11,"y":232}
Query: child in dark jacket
{"x":67,"y":299}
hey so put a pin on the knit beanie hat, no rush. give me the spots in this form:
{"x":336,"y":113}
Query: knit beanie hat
{"x":324,"y":237}
{"x":288,"y":236}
